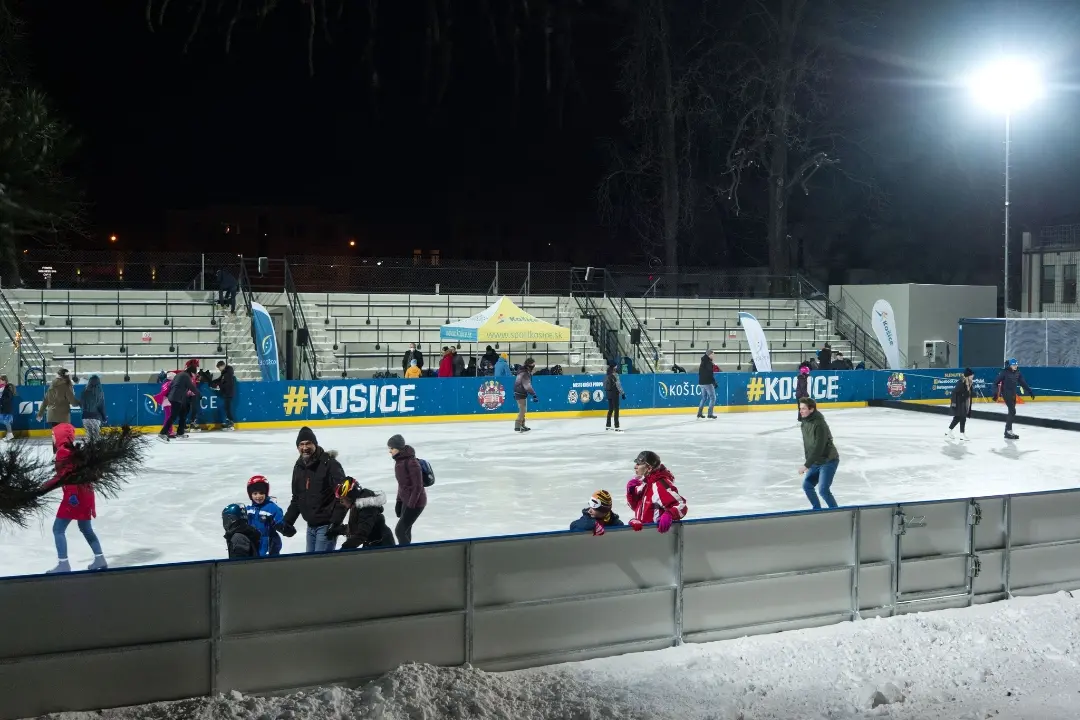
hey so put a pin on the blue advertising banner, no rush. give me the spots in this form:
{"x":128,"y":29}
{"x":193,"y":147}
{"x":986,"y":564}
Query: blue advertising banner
{"x":265,"y":342}
{"x":289,"y":403}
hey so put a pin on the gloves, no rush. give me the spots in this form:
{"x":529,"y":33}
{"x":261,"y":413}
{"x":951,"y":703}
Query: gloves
{"x":598,"y":528}
{"x":266,"y":518}
{"x":286,"y":529}
{"x":624,"y":396}
{"x":535,"y":399}
{"x":636,"y":524}
{"x":339,"y":529}
{"x":397,"y":508}
{"x":664,"y":524}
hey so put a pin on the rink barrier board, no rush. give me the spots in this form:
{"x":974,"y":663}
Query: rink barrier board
{"x":340,"y":403}
{"x":277,"y":624}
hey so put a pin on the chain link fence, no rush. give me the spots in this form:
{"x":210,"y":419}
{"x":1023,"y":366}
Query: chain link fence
{"x":122,"y":269}
{"x":703,"y":283}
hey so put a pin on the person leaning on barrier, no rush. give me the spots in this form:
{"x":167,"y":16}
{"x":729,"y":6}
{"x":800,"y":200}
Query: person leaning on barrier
{"x":652,"y":494}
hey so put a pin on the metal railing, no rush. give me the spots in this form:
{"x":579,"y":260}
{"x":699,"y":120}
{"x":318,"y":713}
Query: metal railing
{"x":646,"y":351}
{"x":119,"y":269}
{"x":30,"y":360}
{"x":862,"y":342}
{"x":308,"y":358}
{"x":606,"y":337}
{"x":704,"y":283}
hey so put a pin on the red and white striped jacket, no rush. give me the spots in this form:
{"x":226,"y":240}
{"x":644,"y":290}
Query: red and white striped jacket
{"x":654,"y":495}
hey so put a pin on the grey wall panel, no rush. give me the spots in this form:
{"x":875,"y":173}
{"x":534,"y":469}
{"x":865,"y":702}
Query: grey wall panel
{"x":341,"y":587}
{"x":532,"y":661}
{"x":743,"y":548}
{"x":933,"y":574}
{"x":943,"y":603}
{"x":753,"y":602}
{"x":990,"y":532}
{"x":946,"y":529}
{"x":1045,"y":518}
{"x":767,"y":629}
{"x":1035,"y":566}
{"x":558,"y":627}
{"x":301,"y":658}
{"x":991,"y":578}
{"x":506,"y":571}
{"x":876,"y":539}
{"x":119,"y":608}
{"x":875,"y":586}
{"x":110,"y":678}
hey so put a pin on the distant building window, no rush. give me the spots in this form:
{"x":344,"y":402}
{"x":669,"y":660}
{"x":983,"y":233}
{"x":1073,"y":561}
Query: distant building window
{"x":1068,"y":291}
{"x":434,"y":257}
{"x":1046,"y":294}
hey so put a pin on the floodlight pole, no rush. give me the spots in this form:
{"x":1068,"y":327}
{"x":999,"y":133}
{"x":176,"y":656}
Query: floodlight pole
{"x":1008,"y":122}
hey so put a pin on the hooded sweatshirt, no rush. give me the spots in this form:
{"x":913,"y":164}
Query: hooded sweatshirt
{"x":78,"y":502}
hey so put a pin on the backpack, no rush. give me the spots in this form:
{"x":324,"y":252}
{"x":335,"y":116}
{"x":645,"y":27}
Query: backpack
{"x":428,"y":473}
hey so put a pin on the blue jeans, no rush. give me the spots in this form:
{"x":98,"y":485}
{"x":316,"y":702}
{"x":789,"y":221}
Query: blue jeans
{"x":708,"y":396}
{"x":821,"y":476}
{"x":59,"y":529}
{"x":316,"y":539}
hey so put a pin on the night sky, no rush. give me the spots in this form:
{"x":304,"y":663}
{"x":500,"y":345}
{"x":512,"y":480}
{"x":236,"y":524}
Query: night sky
{"x":166,"y":130}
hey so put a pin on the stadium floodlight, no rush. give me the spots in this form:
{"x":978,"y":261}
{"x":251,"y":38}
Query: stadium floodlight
{"x":1006,"y":86}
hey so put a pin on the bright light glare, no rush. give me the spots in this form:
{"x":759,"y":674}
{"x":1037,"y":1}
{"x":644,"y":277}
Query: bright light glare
{"x":1007,"y":85}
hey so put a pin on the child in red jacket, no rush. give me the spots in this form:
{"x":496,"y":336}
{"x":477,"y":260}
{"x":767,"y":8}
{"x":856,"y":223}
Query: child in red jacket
{"x":77,"y":505}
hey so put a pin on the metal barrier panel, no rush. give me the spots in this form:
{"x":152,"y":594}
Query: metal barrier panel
{"x":990,"y":532}
{"x":934,"y":555}
{"x":84,"y":611}
{"x":877,"y":543}
{"x":1043,"y":518}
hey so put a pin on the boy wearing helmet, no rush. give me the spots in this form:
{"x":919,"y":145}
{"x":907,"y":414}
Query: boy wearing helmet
{"x":241,"y":540}
{"x":597,"y":516}
{"x":366,"y":525}
{"x":1005,"y":386}
{"x":652,"y":494}
{"x":264,"y":515}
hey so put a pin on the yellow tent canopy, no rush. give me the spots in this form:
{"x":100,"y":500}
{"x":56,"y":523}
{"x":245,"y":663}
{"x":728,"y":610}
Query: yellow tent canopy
{"x":503,"y":322}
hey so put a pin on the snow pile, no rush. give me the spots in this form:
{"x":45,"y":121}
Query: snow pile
{"x":1006,"y":661}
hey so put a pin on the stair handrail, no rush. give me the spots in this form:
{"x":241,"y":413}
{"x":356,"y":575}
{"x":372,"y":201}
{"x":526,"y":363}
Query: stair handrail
{"x":20,"y":339}
{"x":307,"y":350}
{"x":843,"y":324}
{"x":607,"y":340}
{"x":629,"y":319}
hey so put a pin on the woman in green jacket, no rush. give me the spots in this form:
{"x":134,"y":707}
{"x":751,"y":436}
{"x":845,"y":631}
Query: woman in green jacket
{"x":821,"y":456}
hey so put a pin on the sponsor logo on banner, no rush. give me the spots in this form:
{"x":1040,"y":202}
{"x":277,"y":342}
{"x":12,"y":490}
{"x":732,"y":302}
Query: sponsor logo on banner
{"x":585,"y":397}
{"x":571,"y":397}
{"x":782,"y":389}
{"x":683,"y":389}
{"x":30,"y":407}
{"x":151,"y":405}
{"x":358,"y":398}
{"x":883,"y":321}
{"x":947,"y":383}
{"x":896,"y":384}
{"x":598,"y":395}
{"x":491,"y":395}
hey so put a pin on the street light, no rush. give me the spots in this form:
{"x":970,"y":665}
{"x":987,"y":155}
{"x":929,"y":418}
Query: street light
{"x":1004,"y":87}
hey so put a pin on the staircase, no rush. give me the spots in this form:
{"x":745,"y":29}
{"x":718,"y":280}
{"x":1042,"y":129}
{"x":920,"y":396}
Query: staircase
{"x":236,"y":331}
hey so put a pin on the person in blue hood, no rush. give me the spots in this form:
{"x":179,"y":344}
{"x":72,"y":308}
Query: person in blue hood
{"x":502,"y":367}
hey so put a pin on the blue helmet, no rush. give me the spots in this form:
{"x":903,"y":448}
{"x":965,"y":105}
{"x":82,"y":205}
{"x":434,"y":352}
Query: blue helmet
{"x":232,"y":515}
{"x":1012,"y":361}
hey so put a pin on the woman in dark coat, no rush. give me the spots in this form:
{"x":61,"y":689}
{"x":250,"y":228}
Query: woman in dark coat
{"x":802,"y":387}
{"x":961,"y":404}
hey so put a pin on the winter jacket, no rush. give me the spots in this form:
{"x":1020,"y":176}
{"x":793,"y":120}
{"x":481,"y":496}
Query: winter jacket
{"x":93,"y":405}
{"x":612,"y":385}
{"x":410,"y":479}
{"x":366,"y":526}
{"x":412,"y":372}
{"x":58,"y":401}
{"x":587,"y":523}
{"x":446,"y":366}
{"x":313,"y":484}
{"x":78,"y":502}
{"x":491,"y":356}
{"x":226,"y":281}
{"x":523,"y":385}
{"x":652,"y":496}
{"x":961,"y":399}
{"x":817,"y":440}
{"x":502,"y":368}
{"x":705,"y":374}
{"x":802,"y":384}
{"x":1006,"y":383}
{"x":242,"y":541}
{"x":6,"y":399}
{"x":264,"y":518}
{"x":181,"y":387}
{"x":162,"y":398}
{"x":458,"y":363}
{"x":226,"y":382}
{"x":412,"y":355}
{"x":825,"y":359}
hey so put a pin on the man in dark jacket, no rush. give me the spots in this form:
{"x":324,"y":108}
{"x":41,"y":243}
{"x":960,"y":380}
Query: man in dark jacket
{"x":178,"y":397}
{"x":225,"y":384}
{"x":226,"y":290}
{"x":458,"y":362}
{"x":315,"y":476}
{"x":411,"y":495}
{"x":1005,"y":386}
{"x":412,"y":354}
{"x":707,"y":384}
{"x":522,"y":390}
{"x":821,"y":458}
{"x":825,"y":357}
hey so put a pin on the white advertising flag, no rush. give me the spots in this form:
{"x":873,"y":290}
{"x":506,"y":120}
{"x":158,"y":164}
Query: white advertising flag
{"x":755,"y":337}
{"x":884,"y":321}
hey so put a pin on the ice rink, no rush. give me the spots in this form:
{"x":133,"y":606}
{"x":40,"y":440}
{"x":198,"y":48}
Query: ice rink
{"x":491,"y":481}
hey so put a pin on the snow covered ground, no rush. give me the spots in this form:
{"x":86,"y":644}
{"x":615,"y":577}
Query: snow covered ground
{"x":1015,"y":660}
{"x":491,"y":481}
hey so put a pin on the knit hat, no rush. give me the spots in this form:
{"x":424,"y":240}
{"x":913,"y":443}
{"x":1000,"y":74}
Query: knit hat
{"x":600,"y":500}
{"x":412,"y":363}
{"x":258,"y":483}
{"x":396,"y":442}
{"x":307,"y":434}
{"x":804,"y":370}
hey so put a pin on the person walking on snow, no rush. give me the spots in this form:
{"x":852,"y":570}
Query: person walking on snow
{"x":315,"y":476}
{"x":264,"y":515}
{"x":802,"y":387}
{"x":820,"y":456}
{"x":614,"y":391}
{"x":961,"y":404}
{"x":598,"y":516}
{"x":93,"y":408}
{"x":522,"y":390}
{"x":411,"y":495}
{"x":1005,"y":386}
{"x":78,"y":504}
{"x":707,"y":384}
{"x":652,"y":494}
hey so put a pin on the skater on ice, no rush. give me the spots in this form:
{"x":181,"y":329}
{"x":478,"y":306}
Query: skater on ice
{"x":598,"y":516}
{"x":523,"y":388}
{"x":1005,"y":386}
{"x":93,"y":408}
{"x":241,"y":540}
{"x":78,"y":504}
{"x":411,"y":495}
{"x":821,"y":458}
{"x":652,"y":494}
{"x":366,"y":525}
{"x":707,"y":384}
{"x":7,"y":402}
{"x":225,"y":384}
{"x":961,"y":404}
{"x":264,"y":515}
{"x":58,"y":401}
{"x":180,"y":389}
{"x":316,"y":474}
{"x":614,"y":391}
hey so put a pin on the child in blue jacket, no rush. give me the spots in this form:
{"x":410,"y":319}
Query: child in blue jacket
{"x":597,"y":516}
{"x":264,"y":515}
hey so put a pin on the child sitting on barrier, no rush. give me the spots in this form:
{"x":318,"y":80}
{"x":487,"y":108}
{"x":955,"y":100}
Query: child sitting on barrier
{"x":597,"y":516}
{"x":366,"y":526}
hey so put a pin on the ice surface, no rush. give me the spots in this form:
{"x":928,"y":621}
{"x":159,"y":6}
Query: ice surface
{"x":491,"y":481}
{"x":1014,"y":660}
{"x":1069,"y":411}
